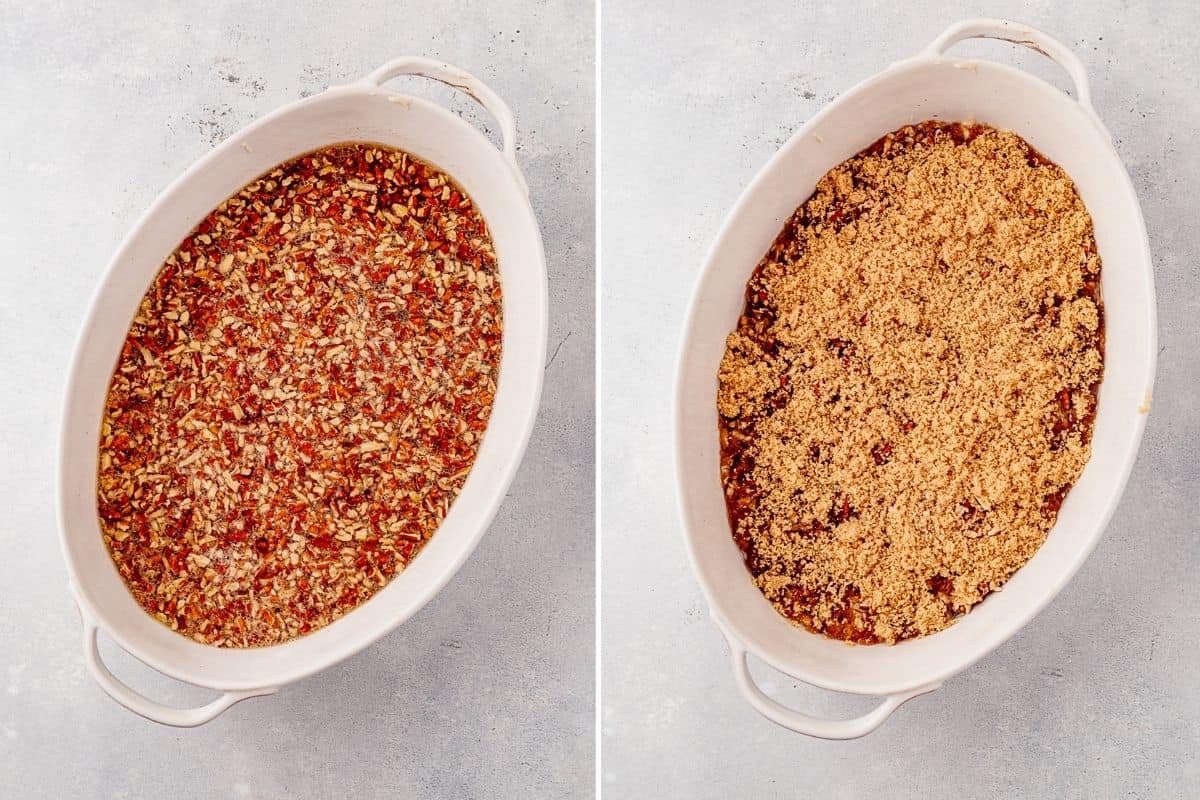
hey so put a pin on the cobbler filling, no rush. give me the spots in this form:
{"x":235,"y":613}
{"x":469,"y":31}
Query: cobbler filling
{"x":910,"y":390}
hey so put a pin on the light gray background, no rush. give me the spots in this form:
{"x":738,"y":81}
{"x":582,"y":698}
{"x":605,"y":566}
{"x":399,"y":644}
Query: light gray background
{"x":1098,"y":697}
{"x":488,"y":692}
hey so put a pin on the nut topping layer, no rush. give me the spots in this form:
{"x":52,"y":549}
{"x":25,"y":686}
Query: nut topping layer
{"x":300,"y":396}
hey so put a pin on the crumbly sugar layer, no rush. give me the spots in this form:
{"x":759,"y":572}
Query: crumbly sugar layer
{"x":910,"y":391}
{"x":300,"y":396}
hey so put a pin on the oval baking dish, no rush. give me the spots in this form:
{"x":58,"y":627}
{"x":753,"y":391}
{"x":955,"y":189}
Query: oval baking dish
{"x":1069,"y":133}
{"x":360,"y":111}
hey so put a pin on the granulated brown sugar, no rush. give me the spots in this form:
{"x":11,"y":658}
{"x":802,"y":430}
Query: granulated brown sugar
{"x":910,"y":391}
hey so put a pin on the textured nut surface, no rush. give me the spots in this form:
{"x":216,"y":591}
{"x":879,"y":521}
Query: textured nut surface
{"x":300,"y":396}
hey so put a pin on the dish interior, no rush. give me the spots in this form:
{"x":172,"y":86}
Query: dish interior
{"x":301,"y":396}
{"x":910,"y":390}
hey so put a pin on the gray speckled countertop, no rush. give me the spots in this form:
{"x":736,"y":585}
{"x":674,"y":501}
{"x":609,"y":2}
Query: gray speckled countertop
{"x":487,"y":692}
{"x":1100,"y":695}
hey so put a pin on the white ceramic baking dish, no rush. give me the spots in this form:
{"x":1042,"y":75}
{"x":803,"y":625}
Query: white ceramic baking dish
{"x":1068,"y":131}
{"x":363,"y":111}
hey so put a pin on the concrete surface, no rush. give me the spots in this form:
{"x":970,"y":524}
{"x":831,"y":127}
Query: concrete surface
{"x":488,"y":691}
{"x":1100,"y":696}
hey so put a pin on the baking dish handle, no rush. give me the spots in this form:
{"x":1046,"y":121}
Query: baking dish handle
{"x":465,"y":82}
{"x":1015,"y":32}
{"x":803,"y":723}
{"x":143,"y":706}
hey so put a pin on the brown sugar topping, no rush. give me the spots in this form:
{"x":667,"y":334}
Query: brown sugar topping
{"x":300,"y":396}
{"x":911,"y":388}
